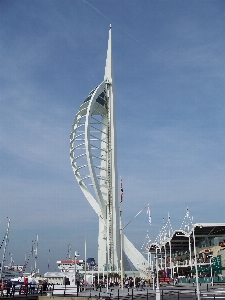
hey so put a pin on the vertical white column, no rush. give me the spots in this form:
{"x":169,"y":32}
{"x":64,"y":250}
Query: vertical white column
{"x":196,"y":265}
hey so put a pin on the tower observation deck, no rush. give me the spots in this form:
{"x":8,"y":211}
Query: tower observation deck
{"x":93,"y":155}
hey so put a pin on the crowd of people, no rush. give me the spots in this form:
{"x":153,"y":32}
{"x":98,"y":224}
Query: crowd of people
{"x":136,"y":283}
{"x":7,"y":287}
{"x":32,"y":287}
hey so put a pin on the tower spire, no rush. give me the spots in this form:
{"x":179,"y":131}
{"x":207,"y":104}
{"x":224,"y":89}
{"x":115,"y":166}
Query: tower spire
{"x":108,"y":67}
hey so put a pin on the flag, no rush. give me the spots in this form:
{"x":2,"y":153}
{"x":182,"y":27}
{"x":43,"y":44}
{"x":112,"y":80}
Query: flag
{"x":149,"y":215}
{"x":48,"y":258}
{"x":121,"y":191}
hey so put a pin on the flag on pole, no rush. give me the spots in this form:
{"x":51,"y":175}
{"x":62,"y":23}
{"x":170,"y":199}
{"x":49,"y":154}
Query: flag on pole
{"x":121,"y":190}
{"x":48,"y":258}
{"x":149,"y":215}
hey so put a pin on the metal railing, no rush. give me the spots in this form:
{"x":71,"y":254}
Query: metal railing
{"x":115,"y":293}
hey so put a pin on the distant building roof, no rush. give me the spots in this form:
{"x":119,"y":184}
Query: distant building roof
{"x":179,"y":240}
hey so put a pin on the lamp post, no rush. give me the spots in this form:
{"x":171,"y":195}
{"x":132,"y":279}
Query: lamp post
{"x":195,"y":255}
{"x":153,"y":282}
{"x":121,"y":247}
{"x":98,"y":276}
{"x":210,"y":259}
{"x":85,"y":264}
{"x":75,"y":266}
{"x":107,"y":271}
{"x":189,"y":247}
{"x":157,"y":291}
{"x":92,"y":275}
{"x":196,"y":265}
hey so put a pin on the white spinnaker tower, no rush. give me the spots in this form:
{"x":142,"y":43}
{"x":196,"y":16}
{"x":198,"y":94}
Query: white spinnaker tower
{"x":93,"y":155}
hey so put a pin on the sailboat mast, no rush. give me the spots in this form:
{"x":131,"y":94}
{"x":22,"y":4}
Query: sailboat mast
{"x":36,"y":253}
{"x":5,"y":246}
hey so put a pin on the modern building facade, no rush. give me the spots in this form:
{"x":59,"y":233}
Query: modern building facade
{"x":199,"y":246}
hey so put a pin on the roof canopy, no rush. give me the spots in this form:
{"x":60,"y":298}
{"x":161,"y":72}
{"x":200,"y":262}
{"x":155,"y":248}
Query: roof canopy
{"x":180,"y":239}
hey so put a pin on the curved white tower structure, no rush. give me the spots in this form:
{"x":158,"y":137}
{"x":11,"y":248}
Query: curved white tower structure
{"x":94,"y":161}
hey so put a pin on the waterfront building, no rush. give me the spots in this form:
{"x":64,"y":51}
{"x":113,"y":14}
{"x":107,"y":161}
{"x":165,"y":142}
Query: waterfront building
{"x":198,"y":246}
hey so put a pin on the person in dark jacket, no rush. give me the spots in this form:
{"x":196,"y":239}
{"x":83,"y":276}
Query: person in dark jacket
{"x":8,"y":287}
{"x":44,"y":285}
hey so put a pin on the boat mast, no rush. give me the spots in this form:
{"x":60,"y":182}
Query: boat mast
{"x":35,"y":258}
{"x":69,"y":251}
{"x":5,"y":246}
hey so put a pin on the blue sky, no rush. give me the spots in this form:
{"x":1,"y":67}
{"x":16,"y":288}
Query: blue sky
{"x":169,"y":71}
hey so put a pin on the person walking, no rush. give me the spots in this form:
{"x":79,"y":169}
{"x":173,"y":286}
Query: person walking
{"x":9,"y":287}
{"x":44,"y":286}
{"x":2,"y":287}
{"x":32,"y":286}
{"x":142,"y":285}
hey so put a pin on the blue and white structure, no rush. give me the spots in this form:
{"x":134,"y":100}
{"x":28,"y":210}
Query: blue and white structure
{"x":93,"y":155}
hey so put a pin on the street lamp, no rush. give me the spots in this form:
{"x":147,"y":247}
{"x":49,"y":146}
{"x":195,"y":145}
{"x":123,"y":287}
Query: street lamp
{"x":75,"y":269}
{"x":196,"y":265}
{"x":157,"y":291}
{"x":210,"y":260}
{"x":121,"y":247}
{"x":107,"y":271}
{"x":195,"y":255}
{"x":92,"y":271}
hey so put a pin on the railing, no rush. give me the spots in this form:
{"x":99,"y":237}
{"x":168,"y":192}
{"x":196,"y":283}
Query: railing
{"x":115,"y":293}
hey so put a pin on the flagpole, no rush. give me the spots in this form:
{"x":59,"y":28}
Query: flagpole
{"x":121,"y":234}
{"x":121,"y":246}
{"x":48,"y":258}
{"x":85,"y":263}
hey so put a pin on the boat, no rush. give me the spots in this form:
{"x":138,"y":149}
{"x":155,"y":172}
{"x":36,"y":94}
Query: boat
{"x":67,"y":270}
{"x":11,"y":271}
{"x":69,"y":266}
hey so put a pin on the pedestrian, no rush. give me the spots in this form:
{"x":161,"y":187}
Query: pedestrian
{"x":96,"y":285}
{"x":141,"y":285}
{"x":78,"y":285}
{"x":32,"y":286}
{"x":44,"y":285}
{"x":2,"y":287}
{"x":9,"y":287}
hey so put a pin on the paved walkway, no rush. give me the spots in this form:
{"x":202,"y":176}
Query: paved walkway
{"x":184,"y":291}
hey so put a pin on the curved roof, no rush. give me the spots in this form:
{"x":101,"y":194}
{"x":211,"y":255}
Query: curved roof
{"x":180,"y":239}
